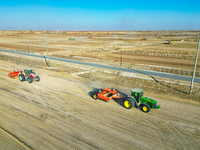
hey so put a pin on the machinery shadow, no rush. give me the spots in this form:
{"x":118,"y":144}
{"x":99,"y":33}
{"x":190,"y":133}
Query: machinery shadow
{"x":90,"y":93}
{"x":158,"y":81}
{"x":119,"y":101}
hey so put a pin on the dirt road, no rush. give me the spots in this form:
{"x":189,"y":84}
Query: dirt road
{"x":58,"y":113}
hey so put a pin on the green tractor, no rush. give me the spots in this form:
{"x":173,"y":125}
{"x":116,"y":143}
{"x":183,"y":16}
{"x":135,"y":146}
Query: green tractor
{"x":71,"y":38}
{"x":136,"y":99}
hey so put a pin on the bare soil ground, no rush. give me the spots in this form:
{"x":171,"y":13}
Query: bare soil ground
{"x":58,"y":113}
{"x":107,"y":45}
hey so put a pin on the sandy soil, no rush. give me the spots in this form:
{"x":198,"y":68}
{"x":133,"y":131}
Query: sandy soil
{"x":58,"y":113}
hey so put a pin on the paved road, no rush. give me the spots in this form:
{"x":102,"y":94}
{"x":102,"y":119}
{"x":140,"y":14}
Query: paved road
{"x":145,"y":72}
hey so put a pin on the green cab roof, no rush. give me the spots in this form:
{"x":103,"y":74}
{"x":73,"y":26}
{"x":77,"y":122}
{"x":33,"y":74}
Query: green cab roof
{"x":137,"y":90}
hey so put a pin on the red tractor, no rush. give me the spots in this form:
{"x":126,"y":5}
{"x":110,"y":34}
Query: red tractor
{"x":28,"y":75}
{"x":15,"y":73}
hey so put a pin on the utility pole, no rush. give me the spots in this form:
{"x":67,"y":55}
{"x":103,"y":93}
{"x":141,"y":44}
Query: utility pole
{"x":194,"y":66}
{"x":121,"y":60}
{"x":47,"y":46}
{"x":27,"y":48}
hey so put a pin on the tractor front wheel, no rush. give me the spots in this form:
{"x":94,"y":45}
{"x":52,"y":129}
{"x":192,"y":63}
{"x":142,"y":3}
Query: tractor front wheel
{"x":95,"y":96}
{"x":129,"y":103}
{"x":30,"y":80}
{"x":21,"y":77}
{"x":145,"y":108}
{"x":38,"y":78}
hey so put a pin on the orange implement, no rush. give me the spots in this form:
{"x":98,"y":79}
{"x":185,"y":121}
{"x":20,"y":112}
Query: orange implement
{"x":109,"y":93}
{"x":15,"y":73}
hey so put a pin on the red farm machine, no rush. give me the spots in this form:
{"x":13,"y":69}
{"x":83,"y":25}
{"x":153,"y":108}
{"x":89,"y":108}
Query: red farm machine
{"x":15,"y":73}
{"x":26,"y":75}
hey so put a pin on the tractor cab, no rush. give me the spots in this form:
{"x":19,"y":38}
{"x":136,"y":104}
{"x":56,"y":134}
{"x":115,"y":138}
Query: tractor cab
{"x":28,"y":71}
{"x":145,"y":102}
{"x":137,"y":94}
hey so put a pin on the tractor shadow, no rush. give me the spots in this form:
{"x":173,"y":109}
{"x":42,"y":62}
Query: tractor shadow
{"x":120,"y":101}
{"x":90,"y":93}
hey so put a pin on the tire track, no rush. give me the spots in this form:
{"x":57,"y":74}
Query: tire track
{"x":145,"y":134}
{"x":101,"y":134}
{"x":16,"y":139}
{"x":142,"y":133}
{"x":165,"y":116}
{"x":167,"y":128}
{"x":30,"y":123}
{"x":74,"y":125}
{"x":55,"y":113}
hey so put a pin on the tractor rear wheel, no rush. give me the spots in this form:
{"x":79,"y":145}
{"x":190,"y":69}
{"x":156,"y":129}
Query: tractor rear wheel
{"x":21,"y":77}
{"x":95,"y":96}
{"x":129,"y":103}
{"x":30,"y":80}
{"x":38,"y":78}
{"x":145,"y":108}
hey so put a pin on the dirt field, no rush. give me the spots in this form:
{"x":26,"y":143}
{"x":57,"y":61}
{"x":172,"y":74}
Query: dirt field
{"x":58,"y":113}
{"x":108,"y":45}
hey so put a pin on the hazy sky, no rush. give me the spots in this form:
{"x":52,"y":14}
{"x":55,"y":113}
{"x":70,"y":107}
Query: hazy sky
{"x":99,"y":15}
